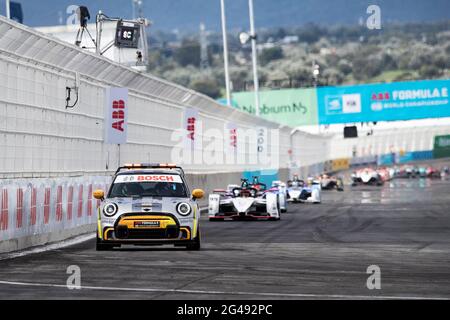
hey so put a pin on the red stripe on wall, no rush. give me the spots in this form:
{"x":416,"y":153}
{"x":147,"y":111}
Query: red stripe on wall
{"x":70,"y":203}
{"x":4,"y":211}
{"x":47,"y":206}
{"x":59,"y":214}
{"x":19,"y":209}
{"x":80,"y":201}
{"x":33,"y":206}
{"x":89,"y":203}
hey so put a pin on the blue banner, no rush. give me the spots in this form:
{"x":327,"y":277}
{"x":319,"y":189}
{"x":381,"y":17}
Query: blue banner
{"x":384,"y":102}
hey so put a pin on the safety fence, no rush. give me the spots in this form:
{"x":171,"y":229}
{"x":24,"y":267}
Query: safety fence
{"x":47,"y":205}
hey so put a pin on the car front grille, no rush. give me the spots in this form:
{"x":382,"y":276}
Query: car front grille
{"x":168,"y":233}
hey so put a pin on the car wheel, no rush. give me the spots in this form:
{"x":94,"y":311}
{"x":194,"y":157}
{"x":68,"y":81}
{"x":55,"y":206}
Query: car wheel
{"x":99,"y":246}
{"x":194,"y":245}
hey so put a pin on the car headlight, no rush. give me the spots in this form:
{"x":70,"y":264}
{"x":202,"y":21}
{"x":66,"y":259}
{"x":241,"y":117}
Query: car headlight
{"x":236,"y":192}
{"x":184,"y":208}
{"x":110,"y":209}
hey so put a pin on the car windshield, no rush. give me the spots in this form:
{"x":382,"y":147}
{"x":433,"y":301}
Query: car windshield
{"x":148,"y":185}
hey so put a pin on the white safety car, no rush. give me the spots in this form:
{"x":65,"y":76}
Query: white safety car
{"x":148,"y":204}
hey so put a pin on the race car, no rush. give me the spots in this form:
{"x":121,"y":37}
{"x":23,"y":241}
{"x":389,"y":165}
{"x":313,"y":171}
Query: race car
{"x":385,"y":174}
{"x":445,"y":172}
{"x":432,"y":172}
{"x":299,"y":191}
{"x":243,"y":202}
{"x":367,"y":176}
{"x":280,"y":188}
{"x":408,"y":172}
{"x":257,"y":184}
{"x":148,"y":204}
{"x":330,"y":182}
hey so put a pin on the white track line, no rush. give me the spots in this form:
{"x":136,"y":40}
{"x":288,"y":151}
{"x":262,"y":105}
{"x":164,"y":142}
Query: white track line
{"x":54,"y":246}
{"x":263,"y":294}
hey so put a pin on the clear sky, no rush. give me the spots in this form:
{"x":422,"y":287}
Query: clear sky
{"x":188,"y":14}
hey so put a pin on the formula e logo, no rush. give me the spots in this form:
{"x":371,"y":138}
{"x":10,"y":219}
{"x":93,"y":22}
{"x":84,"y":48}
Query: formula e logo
{"x":346,"y":103}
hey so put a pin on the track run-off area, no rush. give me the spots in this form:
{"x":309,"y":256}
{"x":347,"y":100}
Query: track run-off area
{"x":314,"y":252}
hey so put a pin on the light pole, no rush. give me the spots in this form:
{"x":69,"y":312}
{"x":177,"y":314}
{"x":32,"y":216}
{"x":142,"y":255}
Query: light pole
{"x":254,"y":55}
{"x":316,"y":73}
{"x":244,"y":37}
{"x":225,"y":52}
{"x":8,"y":9}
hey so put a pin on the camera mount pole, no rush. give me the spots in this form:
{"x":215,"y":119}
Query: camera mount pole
{"x":8,"y":9}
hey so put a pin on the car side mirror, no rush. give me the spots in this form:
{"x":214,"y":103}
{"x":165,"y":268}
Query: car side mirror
{"x":198,"y":194}
{"x":99,"y":194}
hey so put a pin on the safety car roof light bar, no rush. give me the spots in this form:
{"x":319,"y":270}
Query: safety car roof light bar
{"x":129,"y":166}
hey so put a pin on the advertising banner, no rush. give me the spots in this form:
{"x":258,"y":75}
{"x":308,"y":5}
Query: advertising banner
{"x":231,"y":137}
{"x":384,"y":102}
{"x":116,"y":115}
{"x":291,"y":107}
{"x":191,"y":127}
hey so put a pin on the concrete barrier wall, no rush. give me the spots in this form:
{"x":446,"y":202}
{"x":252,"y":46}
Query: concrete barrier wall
{"x":37,"y":211}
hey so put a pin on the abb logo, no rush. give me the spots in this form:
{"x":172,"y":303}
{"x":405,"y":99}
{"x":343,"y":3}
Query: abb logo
{"x":191,"y":127}
{"x":381,"y":96}
{"x":156,"y":178}
{"x":118,"y":115}
{"x":233,"y":138}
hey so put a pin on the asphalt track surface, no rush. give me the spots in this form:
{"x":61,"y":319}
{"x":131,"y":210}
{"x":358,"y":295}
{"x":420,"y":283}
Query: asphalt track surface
{"x":315,"y":252}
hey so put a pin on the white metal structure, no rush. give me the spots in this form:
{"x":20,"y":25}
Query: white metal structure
{"x":104,"y":32}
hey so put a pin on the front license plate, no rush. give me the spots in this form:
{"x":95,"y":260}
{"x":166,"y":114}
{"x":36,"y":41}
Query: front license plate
{"x":146,"y":224}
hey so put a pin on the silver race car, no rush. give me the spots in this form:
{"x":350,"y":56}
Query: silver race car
{"x":243,"y":202}
{"x":148,"y":204}
{"x":301,"y":191}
